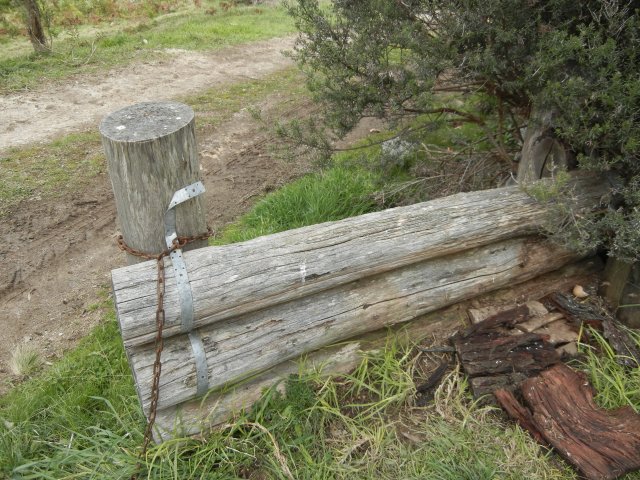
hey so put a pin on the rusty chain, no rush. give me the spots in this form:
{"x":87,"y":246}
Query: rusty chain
{"x":178,"y":243}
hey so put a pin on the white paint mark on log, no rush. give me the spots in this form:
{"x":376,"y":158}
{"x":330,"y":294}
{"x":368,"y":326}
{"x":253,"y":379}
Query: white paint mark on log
{"x":253,"y":342}
{"x":303,"y":271}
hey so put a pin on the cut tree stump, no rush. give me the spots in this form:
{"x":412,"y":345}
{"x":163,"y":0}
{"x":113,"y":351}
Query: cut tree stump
{"x":152,"y":152}
{"x":559,"y":410}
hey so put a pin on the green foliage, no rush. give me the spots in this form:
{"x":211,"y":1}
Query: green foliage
{"x":589,"y":77}
{"x":578,"y":59}
{"x":550,"y":190}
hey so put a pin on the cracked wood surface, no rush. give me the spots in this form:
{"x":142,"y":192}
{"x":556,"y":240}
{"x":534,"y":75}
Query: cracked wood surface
{"x":232,"y":280}
{"x":254,"y":342}
{"x":199,"y":415}
{"x":559,"y":410}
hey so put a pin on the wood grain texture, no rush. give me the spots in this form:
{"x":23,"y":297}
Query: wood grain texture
{"x":151,"y":153}
{"x":236,"y":279}
{"x":602,"y":444}
{"x":256,"y":341}
{"x":198,"y":415}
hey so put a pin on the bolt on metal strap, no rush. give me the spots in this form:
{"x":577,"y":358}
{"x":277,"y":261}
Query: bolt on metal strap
{"x":184,"y":287}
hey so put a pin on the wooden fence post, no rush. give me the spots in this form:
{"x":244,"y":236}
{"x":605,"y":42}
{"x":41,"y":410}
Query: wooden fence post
{"x":151,"y":153}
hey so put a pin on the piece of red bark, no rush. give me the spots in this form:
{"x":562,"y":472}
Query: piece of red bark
{"x":518,"y":412}
{"x":601,"y":444}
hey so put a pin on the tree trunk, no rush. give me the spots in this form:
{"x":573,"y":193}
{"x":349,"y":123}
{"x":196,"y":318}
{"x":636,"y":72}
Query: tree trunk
{"x":34,"y":26}
{"x":542,"y":152}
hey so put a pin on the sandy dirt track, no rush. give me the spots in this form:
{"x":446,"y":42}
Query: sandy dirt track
{"x":55,"y":109}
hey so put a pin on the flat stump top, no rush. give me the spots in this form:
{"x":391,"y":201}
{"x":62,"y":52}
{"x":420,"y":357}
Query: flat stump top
{"x":145,"y":121}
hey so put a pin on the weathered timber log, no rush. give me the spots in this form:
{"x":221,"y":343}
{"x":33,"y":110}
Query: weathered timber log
{"x":254,"y":342}
{"x":236,"y":279}
{"x":198,"y":415}
{"x":601,"y":444}
{"x":151,"y":153}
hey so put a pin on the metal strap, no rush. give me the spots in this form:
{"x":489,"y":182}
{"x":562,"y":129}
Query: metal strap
{"x":182,"y":195}
{"x":200,"y":357}
{"x":183,"y":285}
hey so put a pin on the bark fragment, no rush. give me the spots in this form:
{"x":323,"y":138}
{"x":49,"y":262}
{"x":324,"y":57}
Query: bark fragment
{"x":558,"y":409}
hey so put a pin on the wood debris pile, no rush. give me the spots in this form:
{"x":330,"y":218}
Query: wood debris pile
{"x":517,"y":355}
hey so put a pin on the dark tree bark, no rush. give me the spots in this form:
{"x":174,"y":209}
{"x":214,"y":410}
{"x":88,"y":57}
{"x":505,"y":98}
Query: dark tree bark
{"x":542,"y":152}
{"x":34,"y":26}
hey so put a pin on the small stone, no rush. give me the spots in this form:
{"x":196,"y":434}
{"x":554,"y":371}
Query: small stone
{"x":578,"y":292}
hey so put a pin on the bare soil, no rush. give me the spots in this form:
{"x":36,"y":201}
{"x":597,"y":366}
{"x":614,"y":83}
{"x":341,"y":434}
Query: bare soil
{"x":63,"y":107}
{"x":56,"y":256}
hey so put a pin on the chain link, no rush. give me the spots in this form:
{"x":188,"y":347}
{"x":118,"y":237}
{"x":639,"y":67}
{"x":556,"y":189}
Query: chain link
{"x":178,"y":243}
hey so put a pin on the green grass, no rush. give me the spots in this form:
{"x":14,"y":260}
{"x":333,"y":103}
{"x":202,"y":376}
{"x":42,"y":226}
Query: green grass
{"x":49,"y":170}
{"x":215,"y":105}
{"x":89,"y":391}
{"x":81,"y":420}
{"x":334,"y":194}
{"x":193,"y":29}
{"x":615,"y":384}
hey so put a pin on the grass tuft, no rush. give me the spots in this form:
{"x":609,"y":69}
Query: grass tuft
{"x":24,"y":361}
{"x":616,"y":384}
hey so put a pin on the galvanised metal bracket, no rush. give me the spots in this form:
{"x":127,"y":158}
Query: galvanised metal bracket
{"x":184,"y":288}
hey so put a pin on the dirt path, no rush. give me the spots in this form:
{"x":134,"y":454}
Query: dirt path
{"x":53,"y":110}
{"x":56,"y":257}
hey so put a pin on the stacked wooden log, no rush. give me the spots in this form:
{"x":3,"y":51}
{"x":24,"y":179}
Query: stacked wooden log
{"x":261,"y":303}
